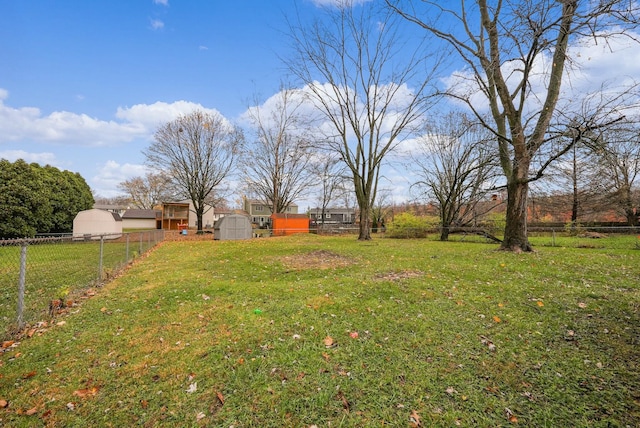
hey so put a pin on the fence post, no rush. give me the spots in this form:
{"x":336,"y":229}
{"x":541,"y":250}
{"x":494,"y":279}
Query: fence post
{"x":21,"y":283}
{"x":101,"y":254}
{"x":126,"y":257}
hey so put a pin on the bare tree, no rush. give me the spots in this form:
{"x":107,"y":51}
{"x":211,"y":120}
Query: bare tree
{"x":330,"y":174}
{"x":146,"y":192}
{"x":617,"y":168}
{"x":457,"y":169}
{"x":368,"y":100}
{"x":569,"y":180}
{"x":197,"y":151}
{"x":380,"y":208}
{"x":505,"y":47}
{"x":277,"y":165}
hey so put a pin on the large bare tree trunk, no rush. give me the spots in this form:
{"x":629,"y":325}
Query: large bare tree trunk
{"x":367,"y":101}
{"x":503,"y":51}
{"x":364,"y":233}
{"x":515,"y":233}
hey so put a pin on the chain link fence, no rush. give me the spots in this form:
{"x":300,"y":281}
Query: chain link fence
{"x":570,"y":236}
{"x":42,"y":277}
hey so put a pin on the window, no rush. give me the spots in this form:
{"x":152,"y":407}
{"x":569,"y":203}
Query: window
{"x":258,"y":207}
{"x":327,"y":215}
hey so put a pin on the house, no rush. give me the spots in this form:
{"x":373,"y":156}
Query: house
{"x":89,"y":224}
{"x":219,"y":213}
{"x":175,"y":215}
{"x":287,"y":224}
{"x":142,"y":219}
{"x":332,"y":216}
{"x":179,"y":215}
{"x":260,"y":213}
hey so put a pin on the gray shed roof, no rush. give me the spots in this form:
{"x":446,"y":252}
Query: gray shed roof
{"x":141,"y":214}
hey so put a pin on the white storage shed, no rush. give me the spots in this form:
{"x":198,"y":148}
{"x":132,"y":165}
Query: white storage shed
{"x":97,"y":222}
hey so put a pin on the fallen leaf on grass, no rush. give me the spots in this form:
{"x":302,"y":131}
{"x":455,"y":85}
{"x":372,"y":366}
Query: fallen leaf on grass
{"x":414,"y":419}
{"x":497,"y":319}
{"x":345,"y":403}
{"x":7,"y":343}
{"x":354,"y":334}
{"x":29,"y":375}
{"x":329,"y":342}
{"x":192,"y":388}
{"x":489,"y":344}
{"x":144,"y":404}
{"x":451,"y":390}
{"x":220,"y":397}
{"x":87,"y":392}
{"x":200,"y":416}
{"x":539,"y":303}
{"x":582,"y":305}
{"x":31,"y":411}
{"x":3,"y":404}
{"x":510,"y":416}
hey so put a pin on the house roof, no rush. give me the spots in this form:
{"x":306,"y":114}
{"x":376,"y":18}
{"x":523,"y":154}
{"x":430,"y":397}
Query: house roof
{"x":109,"y":207}
{"x":140,"y":214}
{"x":332,"y":209}
{"x":285,"y":215}
{"x":259,"y":202}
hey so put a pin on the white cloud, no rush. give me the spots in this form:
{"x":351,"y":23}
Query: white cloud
{"x":139,"y":122}
{"x":28,"y":123}
{"x":595,"y":67}
{"x":153,"y":115}
{"x":157,"y":24}
{"x":111,"y":174}
{"x":44,"y":158}
{"x":161,"y":2}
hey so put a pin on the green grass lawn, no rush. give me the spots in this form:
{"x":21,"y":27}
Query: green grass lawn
{"x":328,"y":331}
{"x":59,"y":270}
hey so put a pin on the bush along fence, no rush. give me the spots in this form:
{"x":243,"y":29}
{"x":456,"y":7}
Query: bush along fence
{"x":42,"y":277}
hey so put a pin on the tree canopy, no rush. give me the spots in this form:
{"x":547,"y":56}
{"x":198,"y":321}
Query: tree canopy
{"x":506,"y":48}
{"x":367,"y":101}
{"x":197,"y":152}
{"x":36,"y":199}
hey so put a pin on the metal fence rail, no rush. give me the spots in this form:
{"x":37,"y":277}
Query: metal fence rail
{"x":42,"y":277}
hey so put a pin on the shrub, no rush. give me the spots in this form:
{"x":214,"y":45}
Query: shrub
{"x":494,"y":223}
{"x":574,"y":228}
{"x":407,"y":225}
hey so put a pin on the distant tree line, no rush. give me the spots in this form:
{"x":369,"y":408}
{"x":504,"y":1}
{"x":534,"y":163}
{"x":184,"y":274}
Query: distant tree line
{"x":39,"y":199}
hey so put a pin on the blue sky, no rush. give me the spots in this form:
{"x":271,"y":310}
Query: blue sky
{"x":84,"y":84}
{"x":72,"y":72}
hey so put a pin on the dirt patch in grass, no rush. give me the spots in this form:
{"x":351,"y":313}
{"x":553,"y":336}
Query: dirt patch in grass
{"x":398,"y":276}
{"x":319,"y":259}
